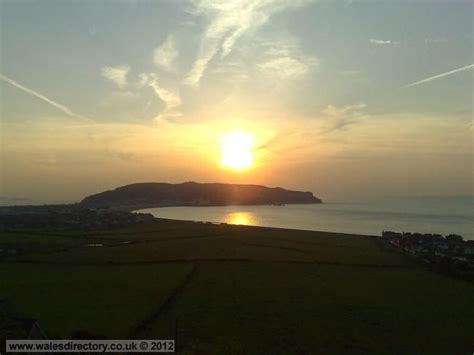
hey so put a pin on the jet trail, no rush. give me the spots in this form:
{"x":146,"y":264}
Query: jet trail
{"x":438,"y":76}
{"x":40,"y":96}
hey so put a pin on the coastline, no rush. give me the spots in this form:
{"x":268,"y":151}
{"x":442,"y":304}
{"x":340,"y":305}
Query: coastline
{"x":364,"y":218}
{"x":264,"y":228}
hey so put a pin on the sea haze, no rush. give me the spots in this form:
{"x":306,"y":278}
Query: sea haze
{"x":443,"y":215}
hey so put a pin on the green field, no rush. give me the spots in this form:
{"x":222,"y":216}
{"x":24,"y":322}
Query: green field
{"x":238,"y":290}
{"x":99,"y":299}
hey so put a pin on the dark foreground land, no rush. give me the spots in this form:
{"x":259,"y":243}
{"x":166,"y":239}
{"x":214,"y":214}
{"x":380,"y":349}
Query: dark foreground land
{"x":234,"y":290}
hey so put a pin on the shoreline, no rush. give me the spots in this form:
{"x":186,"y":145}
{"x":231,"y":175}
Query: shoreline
{"x":224,"y":224}
{"x":341,"y":218}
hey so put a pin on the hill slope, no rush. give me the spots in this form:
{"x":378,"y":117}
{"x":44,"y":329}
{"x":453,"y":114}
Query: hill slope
{"x":194,"y":194}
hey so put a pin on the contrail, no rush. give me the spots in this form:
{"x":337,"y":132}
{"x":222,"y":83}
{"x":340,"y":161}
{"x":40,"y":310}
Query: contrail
{"x":438,"y":76}
{"x":40,"y":96}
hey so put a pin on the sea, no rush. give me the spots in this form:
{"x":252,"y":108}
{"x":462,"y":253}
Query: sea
{"x":441,"y":215}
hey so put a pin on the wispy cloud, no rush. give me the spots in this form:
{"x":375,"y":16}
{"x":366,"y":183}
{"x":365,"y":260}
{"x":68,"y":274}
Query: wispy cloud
{"x":436,"y":40}
{"x":230,"y":21}
{"x":165,"y":55}
{"x":46,"y":99}
{"x":340,"y":117}
{"x":122,"y":155}
{"x":431,"y":78}
{"x":117,"y":74}
{"x":285,"y":67}
{"x":383,"y":41}
{"x":284,"y":59}
{"x":170,"y":98}
{"x":232,"y":71}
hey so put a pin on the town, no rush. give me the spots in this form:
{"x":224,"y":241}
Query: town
{"x":63,"y":217}
{"x":450,"y":253}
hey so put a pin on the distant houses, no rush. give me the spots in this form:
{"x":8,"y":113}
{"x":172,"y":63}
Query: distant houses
{"x":450,"y":251}
{"x":79,"y":219}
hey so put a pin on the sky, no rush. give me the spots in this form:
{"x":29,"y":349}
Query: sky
{"x":346,"y":99}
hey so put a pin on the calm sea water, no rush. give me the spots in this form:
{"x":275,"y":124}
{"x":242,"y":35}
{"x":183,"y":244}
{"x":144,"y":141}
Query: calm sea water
{"x":443,"y":215}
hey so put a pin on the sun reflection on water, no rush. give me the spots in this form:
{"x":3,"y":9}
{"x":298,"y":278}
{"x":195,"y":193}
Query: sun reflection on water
{"x":241,"y":218}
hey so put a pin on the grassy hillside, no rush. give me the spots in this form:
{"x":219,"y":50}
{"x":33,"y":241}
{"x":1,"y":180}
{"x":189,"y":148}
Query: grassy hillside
{"x":238,"y":290}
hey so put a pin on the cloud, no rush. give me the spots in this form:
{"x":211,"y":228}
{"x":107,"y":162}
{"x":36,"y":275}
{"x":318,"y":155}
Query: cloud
{"x":335,"y":111}
{"x":285,"y":67}
{"x":117,"y":74}
{"x":46,"y":99}
{"x":284,"y":60}
{"x":436,"y":40}
{"x":340,"y":117}
{"x":230,"y":20}
{"x":170,"y":98}
{"x":383,"y":42}
{"x":231,"y":71}
{"x":165,"y":55}
{"x":121,"y":155}
{"x":431,"y":78}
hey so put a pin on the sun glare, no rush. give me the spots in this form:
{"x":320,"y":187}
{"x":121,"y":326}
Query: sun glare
{"x":236,"y":150}
{"x":240,"y":218}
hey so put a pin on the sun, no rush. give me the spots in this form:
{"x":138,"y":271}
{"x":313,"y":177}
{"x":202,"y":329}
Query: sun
{"x":236,"y":150}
